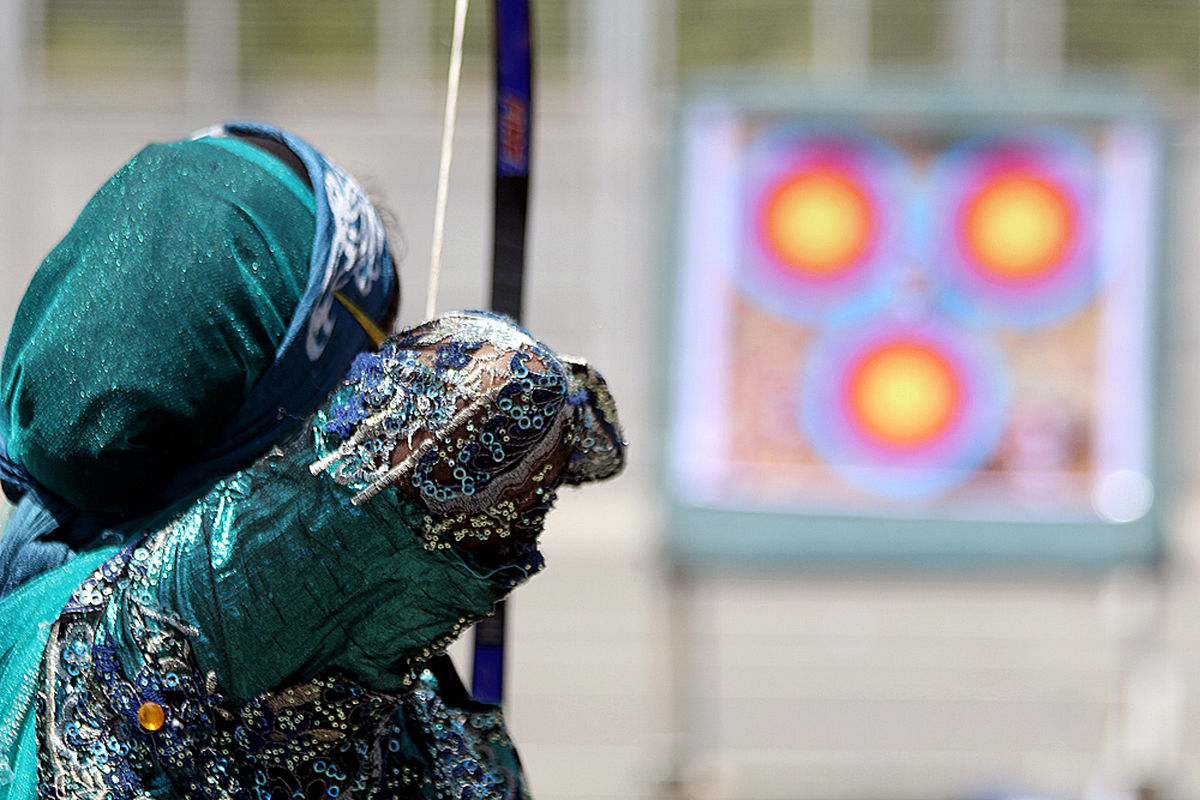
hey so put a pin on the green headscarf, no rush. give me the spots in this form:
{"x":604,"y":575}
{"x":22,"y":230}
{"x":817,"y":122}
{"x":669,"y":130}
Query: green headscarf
{"x":147,"y":325}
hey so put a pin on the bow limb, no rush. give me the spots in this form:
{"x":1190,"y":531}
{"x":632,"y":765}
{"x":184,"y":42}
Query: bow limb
{"x":514,"y":115}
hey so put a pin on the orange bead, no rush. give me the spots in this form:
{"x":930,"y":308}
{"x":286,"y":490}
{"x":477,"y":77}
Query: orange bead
{"x":150,"y":716}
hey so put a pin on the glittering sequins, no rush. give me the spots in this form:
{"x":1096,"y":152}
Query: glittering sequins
{"x":167,"y":730}
{"x":453,"y":438}
{"x":477,"y":419}
{"x":597,"y":444}
{"x":465,"y":752}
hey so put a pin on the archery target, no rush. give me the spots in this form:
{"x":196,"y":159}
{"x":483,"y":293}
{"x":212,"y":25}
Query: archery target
{"x":1014,"y":223}
{"x":890,"y":316}
{"x":820,"y":223}
{"x":903,"y":408}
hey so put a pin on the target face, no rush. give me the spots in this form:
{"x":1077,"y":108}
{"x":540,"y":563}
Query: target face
{"x":903,"y":409}
{"x":821,"y":224}
{"x":1019,"y":227}
{"x":916,"y":329}
{"x":1014,"y":222}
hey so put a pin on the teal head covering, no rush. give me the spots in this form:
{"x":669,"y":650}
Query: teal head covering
{"x":184,"y":325}
{"x":146,"y":327}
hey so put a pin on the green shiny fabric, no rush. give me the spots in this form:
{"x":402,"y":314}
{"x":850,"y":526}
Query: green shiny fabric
{"x":314,"y":591}
{"x":146,"y":326}
{"x":25,"y":617}
{"x":284,"y":578}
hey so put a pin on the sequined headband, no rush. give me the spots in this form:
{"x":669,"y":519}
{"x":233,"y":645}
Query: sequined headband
{"x":350,"y":259}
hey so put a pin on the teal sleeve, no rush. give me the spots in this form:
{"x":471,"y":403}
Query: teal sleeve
{"x":410,"y":504}
{"x":281,"y":578}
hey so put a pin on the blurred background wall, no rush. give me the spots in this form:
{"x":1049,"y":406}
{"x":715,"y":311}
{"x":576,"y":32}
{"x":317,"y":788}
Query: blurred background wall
{"x":846,"y":684}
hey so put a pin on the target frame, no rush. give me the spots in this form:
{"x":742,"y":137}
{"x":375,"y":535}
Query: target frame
{"x":710,"y":524}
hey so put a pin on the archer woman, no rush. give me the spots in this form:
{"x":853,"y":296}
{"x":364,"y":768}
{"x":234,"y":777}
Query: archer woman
{"x":279,"y":632}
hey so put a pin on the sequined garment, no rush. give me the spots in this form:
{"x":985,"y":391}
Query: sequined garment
{"x":485,"y":415}
{"x":283,"y":637}
{"x":327,"y":737}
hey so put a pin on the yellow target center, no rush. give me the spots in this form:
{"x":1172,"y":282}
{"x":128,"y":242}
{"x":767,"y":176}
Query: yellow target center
{"x":1019,"y":226}
{"x":904,"y":394}
{"x":818,"y":222}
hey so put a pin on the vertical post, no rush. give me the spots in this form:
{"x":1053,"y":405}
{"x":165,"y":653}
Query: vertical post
{"x":402,"y":52}
{"x":1016,"y":38}
{"x":621,"y":64}
{"x":1141,"y":743}
{"x":621,"y":59}
{"x":973,"y":37}
{"x":1033,"y":38}
{"x":683,"y":691}
{"x":12,"y":82}
{"x":212,"y":40}
{"x":12,"y":55}
{"x":696,"y":769}
{"x":841,"y":38}
{"x":34,"y":53}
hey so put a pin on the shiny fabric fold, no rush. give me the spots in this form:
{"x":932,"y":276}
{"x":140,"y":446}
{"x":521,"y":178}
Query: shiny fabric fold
{"x":25,"y":620}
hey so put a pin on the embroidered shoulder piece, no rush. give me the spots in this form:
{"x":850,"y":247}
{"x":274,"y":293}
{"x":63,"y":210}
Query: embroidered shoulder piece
{"x":474,"y":418}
